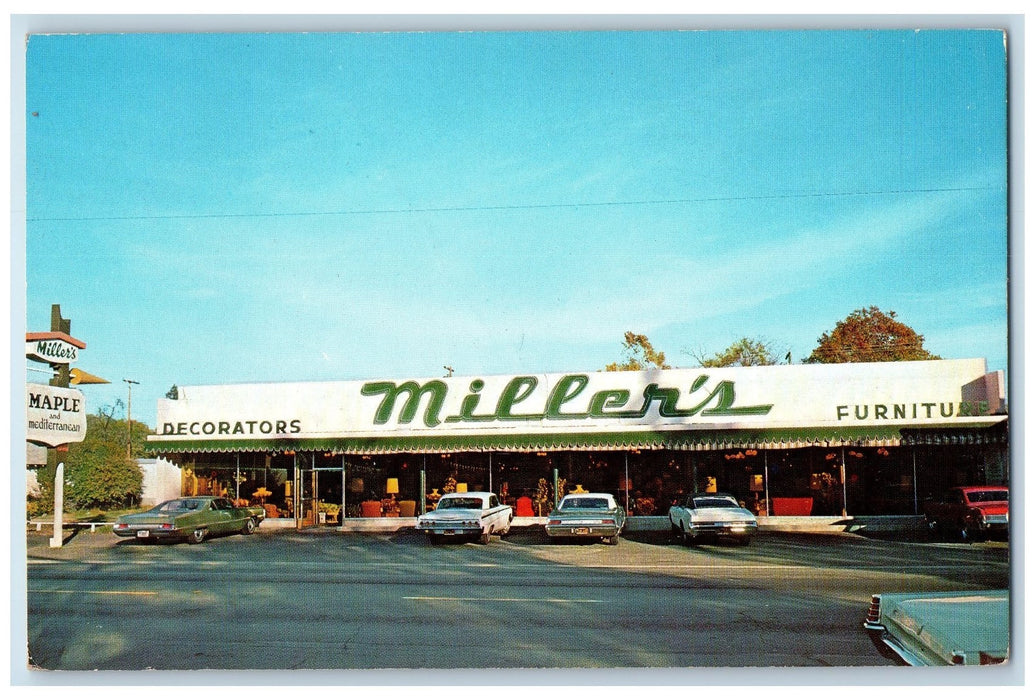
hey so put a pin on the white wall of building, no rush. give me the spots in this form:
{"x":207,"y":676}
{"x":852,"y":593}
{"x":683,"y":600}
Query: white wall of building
{"x":161,"y":481}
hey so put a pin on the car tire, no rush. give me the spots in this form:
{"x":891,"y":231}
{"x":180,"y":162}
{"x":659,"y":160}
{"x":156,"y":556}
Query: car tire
{"x":434,"y":539}
{"x":743,"y":541}
{"x":613,"y":540}
{"x":484,"y":538}
{"x":934,"y":529}
{"x":197,"y":536}
{"x":248,"y":527}
{"x":969,"y":533}
{"x":688,"y":539}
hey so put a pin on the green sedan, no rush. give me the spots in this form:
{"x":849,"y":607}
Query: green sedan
{"x":191,"y":518}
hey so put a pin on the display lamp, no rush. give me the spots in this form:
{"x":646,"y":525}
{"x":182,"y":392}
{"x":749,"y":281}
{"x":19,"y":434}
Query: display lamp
{"x":392,"y":486}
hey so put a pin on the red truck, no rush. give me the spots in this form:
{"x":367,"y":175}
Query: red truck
{"x":969,"y":512}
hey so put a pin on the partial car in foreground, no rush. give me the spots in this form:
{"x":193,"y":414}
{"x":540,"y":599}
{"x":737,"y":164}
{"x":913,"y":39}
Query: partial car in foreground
{"x":191,"y":518}
{"x":969,"y":512}
{"x":958,"y":628}
{"x":470,"y":515}
{"x":587,"y":515}
{"x":712,"y":515}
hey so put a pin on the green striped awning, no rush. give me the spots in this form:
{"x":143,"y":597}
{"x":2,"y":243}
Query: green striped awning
{"x":885,"y":436}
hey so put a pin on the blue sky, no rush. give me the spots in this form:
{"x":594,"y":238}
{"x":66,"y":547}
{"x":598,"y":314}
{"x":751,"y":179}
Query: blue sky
{"x":226,"y":208}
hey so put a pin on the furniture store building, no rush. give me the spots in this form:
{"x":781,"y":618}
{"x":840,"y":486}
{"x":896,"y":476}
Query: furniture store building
{"x":841,"y":439}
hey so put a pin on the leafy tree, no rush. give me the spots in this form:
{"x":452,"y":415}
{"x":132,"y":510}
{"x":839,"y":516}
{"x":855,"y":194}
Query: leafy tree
{"x":743,"y":353}
{"x":98,"y":472}
{"x":870,"y":335}
{"x":100,"y":475}
{"x":173,"y":393}
{"x":639,"y":354}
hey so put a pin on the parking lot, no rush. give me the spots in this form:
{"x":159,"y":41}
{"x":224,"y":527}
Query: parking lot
{"x":328,"y":600}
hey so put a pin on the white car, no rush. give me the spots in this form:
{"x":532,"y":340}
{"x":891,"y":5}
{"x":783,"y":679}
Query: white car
{"x":476,"y":514}
{"x":712,"y":515}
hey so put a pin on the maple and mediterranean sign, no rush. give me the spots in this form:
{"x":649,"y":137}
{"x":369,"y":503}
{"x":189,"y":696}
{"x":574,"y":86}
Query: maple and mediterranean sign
{"x":940,"y":392}
{"x":54,"y":415}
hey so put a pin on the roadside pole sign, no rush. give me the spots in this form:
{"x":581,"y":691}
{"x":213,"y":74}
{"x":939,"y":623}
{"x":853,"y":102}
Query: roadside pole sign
{"x":54,"y":348}
{"x":54,"y":415}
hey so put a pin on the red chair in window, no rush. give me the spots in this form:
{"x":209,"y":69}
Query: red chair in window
{"x":524,"y":508}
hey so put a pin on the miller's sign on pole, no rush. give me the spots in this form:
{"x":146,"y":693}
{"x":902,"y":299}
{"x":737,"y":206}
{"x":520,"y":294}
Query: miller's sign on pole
{"x":54,"y":415}
{"x":54,"y":348}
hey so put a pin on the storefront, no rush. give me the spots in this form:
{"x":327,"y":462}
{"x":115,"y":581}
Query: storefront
{"x":851,"y":439}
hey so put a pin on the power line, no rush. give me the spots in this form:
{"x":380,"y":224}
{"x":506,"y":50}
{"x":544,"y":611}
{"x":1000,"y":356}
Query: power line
{"x":502,"y":207}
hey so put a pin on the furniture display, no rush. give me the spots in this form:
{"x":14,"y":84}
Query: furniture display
{"x":370,"y":509}
{"x":792,"y":506}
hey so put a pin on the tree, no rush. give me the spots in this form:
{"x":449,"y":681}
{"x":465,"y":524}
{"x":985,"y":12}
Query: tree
{"x":98,"y":474}
{"x":639,"y":355}
{"x":743,"y":353}
{"x":870,"y":335}
{"x":173,"y":393}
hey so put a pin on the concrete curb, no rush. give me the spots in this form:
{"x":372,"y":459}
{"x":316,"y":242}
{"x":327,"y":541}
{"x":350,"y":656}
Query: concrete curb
{"x":659,"y":523}
{"x":884,"y":525}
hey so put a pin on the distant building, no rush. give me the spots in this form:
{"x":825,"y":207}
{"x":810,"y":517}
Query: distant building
{"x":161,"y":481}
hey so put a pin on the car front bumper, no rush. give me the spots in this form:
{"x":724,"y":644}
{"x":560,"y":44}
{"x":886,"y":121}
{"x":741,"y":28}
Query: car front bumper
{"x":995,"y":524}
{"x":724,"y":529}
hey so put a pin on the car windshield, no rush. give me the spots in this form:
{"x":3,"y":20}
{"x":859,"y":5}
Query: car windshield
{"x":469,"y":503}
{"x":988,"y":496}
{"x":715,"y":502}
{"x":179,"y":505}
{"x":588,"y":503}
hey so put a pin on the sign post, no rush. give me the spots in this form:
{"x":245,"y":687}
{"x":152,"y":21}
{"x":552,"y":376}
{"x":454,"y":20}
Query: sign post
{"x":59,"y":506}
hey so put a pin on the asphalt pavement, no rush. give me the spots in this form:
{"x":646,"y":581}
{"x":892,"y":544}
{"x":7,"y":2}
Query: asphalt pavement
{"x":327,"y":600}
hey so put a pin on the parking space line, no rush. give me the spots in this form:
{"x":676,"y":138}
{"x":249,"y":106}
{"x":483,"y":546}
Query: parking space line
{"x":72,"y":592}
{"x":500,"y":600}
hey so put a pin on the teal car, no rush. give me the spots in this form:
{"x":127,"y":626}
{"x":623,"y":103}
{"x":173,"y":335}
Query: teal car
{"x":951,"y":628}
{"x":587,"y":516}
{"x":191,"y":518}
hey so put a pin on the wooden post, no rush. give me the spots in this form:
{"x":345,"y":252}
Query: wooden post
{"x":59,"y":505}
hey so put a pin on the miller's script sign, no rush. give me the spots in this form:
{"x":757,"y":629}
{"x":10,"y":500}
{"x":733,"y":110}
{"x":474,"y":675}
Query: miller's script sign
{"x":53,"y":348}
{"x":513,"y":402}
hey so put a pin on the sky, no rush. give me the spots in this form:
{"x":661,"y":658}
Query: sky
{"x":229,"y":208}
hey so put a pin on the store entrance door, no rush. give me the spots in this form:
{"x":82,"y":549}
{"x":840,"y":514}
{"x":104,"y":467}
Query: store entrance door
{"x":302,"y":496}
{"x":319,"y":485}
{"x":305,"y":501}
{"x":328,"y":486}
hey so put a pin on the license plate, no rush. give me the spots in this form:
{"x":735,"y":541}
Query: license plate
{"x":143,"y":533}
{"x":449,"y":532}
{"x":580,"y":531}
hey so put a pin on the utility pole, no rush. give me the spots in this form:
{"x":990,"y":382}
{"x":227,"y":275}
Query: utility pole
{"x":129,"y":419}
